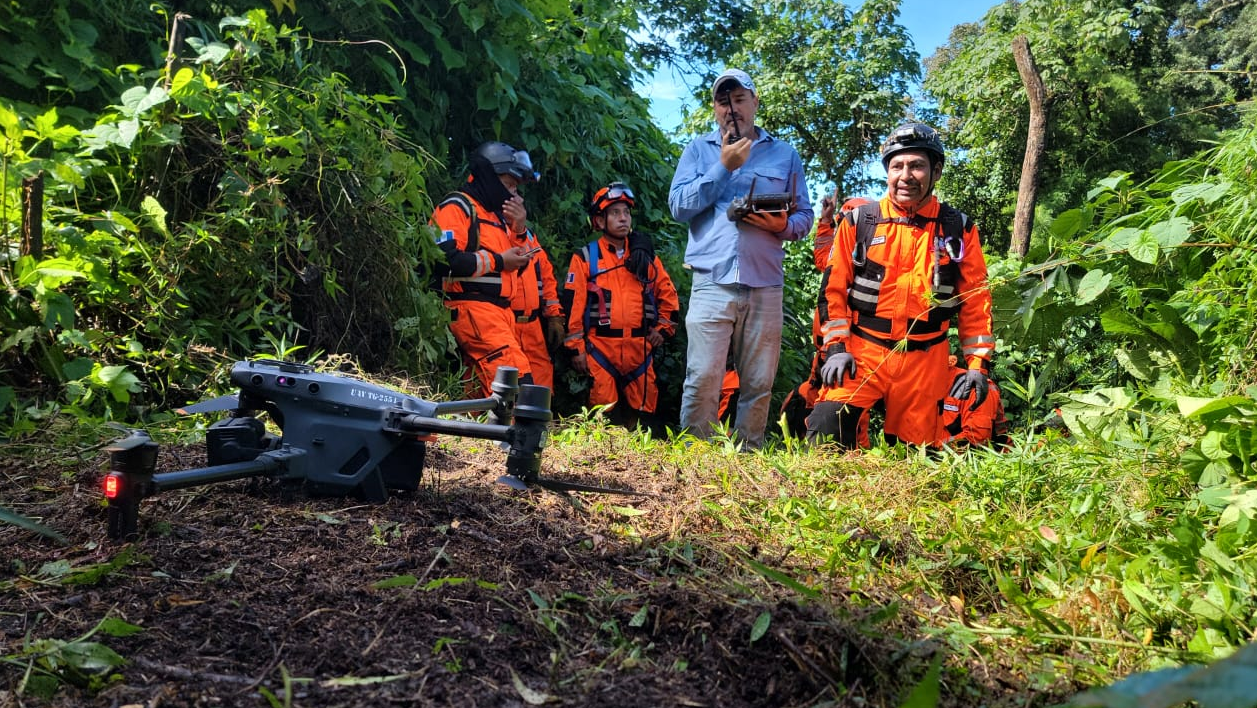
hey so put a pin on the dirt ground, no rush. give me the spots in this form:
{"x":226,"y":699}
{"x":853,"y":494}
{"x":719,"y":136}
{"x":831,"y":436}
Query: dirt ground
{"x":463,"y":593}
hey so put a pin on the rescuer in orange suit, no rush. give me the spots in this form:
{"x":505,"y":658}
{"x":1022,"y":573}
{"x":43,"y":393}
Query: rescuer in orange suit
{"x":898,"y":274}
{"x":621,"y":306}
{"x":538,"y":318}
{"x":478,"y":230}
{"x":960,"y":424}
{"x":798,"y":404}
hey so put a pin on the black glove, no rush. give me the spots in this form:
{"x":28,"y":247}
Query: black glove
{"x":556,"y":332}
{"x":968,"y":382}
{"x":641,"y":255}
{"x":838,"y":365}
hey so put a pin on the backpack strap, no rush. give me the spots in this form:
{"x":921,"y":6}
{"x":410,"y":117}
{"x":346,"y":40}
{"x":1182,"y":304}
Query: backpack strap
{"x":473,"y":231}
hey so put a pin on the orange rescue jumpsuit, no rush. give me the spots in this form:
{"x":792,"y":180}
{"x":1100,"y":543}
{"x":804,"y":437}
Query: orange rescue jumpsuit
{"x":536,"y":296}
{"x":478,"y":293}
{"x":892,"y":314}
{"x":808,"y":391}
{"x":984,"y":426}
{"x":615,"y":308}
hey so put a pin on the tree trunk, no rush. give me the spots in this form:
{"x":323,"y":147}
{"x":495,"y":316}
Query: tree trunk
{"x":1023,"y":219}
{"x":33,"y":216}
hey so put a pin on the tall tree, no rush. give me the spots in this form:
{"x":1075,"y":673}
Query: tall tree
{"x":1023,"y":222}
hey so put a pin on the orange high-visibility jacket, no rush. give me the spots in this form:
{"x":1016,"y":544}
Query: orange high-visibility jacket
{"x":903,"y":290}
{"x":621,"y":312}
{"x":475,"y":269}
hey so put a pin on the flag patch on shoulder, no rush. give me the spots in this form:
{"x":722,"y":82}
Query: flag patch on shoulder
{"x":571,"y":277}
{"x":446,"y":235}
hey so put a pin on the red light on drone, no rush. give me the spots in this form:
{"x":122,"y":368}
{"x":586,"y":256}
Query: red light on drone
{"x":113,"y":486}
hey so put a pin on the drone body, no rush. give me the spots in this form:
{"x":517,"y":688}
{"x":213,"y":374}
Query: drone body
{"x":340,"y":435}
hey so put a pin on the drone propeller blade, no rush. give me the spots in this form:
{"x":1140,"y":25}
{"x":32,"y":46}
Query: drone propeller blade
{"x":211,"y":405}
{"x":513,"y":482}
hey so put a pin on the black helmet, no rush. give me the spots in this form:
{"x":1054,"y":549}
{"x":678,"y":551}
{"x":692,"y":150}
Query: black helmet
{"x":913,"y":136}
{"x":506,"y":160}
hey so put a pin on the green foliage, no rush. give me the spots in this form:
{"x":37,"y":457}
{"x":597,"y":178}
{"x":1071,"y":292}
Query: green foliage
{"x":48,"y":664}
{"x":1129,"y":86}
{"x":10,"y":517}
{"x":266,"y":190}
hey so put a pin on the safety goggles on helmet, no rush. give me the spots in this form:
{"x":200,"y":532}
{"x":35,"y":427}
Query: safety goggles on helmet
{"x":506,"y":160}
{"x":610,"y":194}
{"x":913,"y":136}
{"x":519,"y":166}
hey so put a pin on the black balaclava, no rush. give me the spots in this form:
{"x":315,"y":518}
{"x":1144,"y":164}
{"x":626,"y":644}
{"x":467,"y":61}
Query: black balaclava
{"x":485,"y":187}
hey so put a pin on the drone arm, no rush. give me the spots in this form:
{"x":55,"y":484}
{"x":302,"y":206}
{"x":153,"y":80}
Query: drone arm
{"x":261,"y":465}
{"x":401,"y":422}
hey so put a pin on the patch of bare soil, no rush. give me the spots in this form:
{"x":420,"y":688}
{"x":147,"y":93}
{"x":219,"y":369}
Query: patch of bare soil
{"x":463,"y":593}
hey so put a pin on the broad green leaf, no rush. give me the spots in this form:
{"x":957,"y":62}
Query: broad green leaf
{"x":1207,"y":192}
{"x":1137,"y":363}
{"x":120,"y":382}
{"x":156,"y":214}
{"x":46,"y":127}
{"x":1212,"y":445}
{"x":179,"y":84}
{"x":1092,"y":286}
{"x":50,"y":273}
{"x":486,"y":97}
{"x":1116,"y":320}
{"x":58,"y":311}
{"x":77,"y":368}
{"x":91,"y":657}
{"x":1214,"y":473}
{"x":132,"y":97}
{"x":1068,"y":223}
{"x":10,"y":124}
{"x":1194,"y":407}
{"x":1172,"y":232}
{"x":1144,"y":248}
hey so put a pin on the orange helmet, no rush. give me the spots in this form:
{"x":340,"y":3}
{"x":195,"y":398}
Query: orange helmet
{"x":608,"y":195}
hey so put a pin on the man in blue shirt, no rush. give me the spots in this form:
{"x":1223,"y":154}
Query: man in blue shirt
{"x":735,"y":300}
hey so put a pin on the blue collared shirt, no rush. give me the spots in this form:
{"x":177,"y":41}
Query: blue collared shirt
{"x":730,"y":252}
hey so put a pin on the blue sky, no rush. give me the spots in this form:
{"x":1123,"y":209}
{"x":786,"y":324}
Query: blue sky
{"x":929,"y":22}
